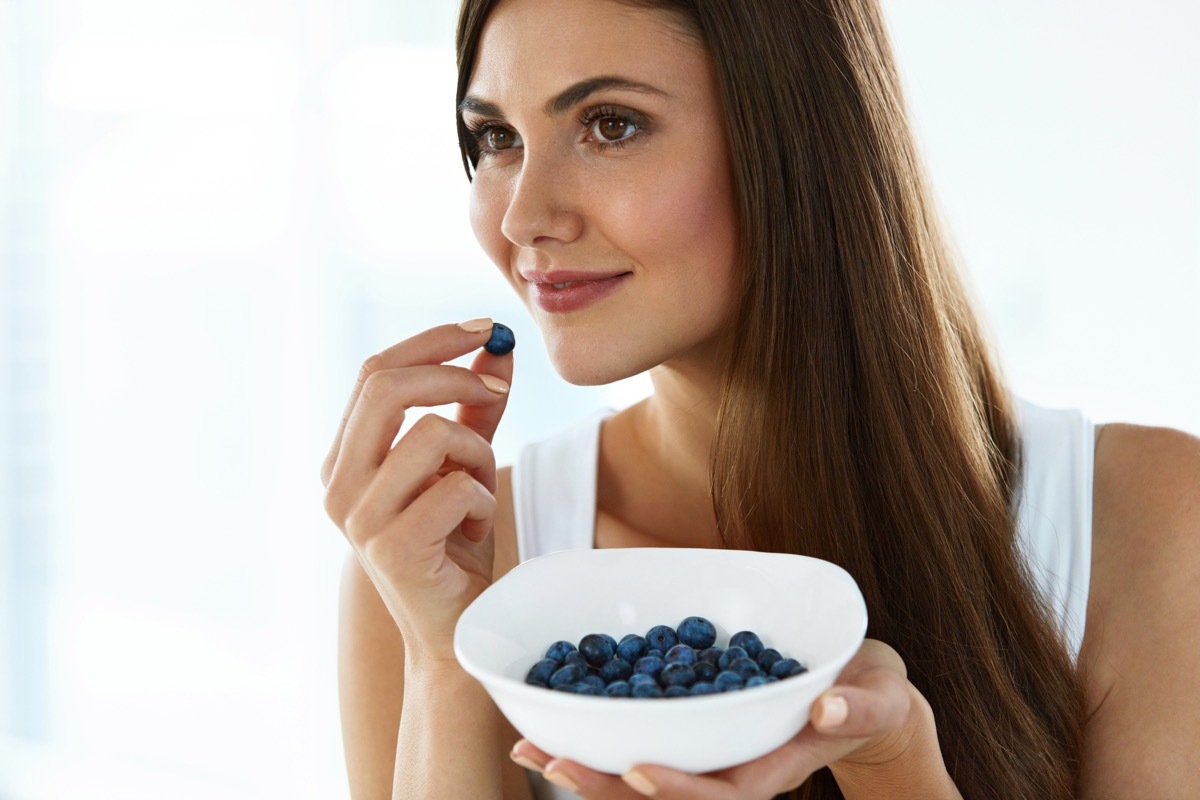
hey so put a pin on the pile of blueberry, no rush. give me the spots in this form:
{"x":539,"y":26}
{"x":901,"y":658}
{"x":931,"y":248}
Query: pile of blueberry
{"x":666,"y":662}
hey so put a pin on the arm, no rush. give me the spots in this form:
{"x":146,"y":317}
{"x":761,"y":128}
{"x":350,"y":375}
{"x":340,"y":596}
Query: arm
{"x":420,"y":513}
{"x":1143,"y":620}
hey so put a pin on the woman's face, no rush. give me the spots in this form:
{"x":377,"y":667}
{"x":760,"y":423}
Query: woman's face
{"x":603,"y":189}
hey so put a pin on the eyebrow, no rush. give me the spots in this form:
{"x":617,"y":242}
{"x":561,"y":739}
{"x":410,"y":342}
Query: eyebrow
{"x":568,"y":98}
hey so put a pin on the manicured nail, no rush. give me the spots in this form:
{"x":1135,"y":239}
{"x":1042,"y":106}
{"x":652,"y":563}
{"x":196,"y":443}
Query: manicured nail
{"x":833,"y":712}
{"x":525,"y":762}
{"x":563,"y":780}
{"x":494,"y":384}
{"x":639,"y":783}
{"x":476,"y":325}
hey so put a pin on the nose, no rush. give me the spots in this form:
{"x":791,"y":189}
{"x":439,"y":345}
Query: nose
{"x":541,"y":211}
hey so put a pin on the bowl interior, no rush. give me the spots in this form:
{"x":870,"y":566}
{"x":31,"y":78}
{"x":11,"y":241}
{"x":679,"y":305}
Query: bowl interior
{"x":806,"y":608}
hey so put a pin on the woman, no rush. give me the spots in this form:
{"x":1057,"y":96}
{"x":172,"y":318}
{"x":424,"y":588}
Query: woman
{"x":727,"y":194}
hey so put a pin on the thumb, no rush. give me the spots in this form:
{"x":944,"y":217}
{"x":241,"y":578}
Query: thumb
{"x":484,"y":419}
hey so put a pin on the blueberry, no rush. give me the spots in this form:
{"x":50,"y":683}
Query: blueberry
{"x":703,"y":687}
{"x":502,"y":342}
{"x":645,"y":690}
{"x":680,"y":654}
{"x":596,"y":649}
{"x":584,"y":687}
{"x":571,"y":673}
{"x":711,"y":654}
{"x":640,"y":679}
{"x":575,"y":657}
{"x":728,"y":682}
{"x":611,"y":641}
{"x":787,"y":667}
{"x":656,"y":652}
{"x":662,"y":637}
{"x":676,"y":691}
{"x":558,"y":651}
{"x":697,"y":632}
{"x":539,"y":674}
{"x":748,"y":641}
{"x":632,"y":647}
{"x":618,"y":689}
{"x":768,"y":658}
{"x":677,"y":675}
{"x":729,"y":656}
{"x":616,"y":670}
{"x":758,"y":680}
{"x":706,"y":671}
{"x":595,"y":681}
{"x":649,"y":665}
{"x":745,"y":667}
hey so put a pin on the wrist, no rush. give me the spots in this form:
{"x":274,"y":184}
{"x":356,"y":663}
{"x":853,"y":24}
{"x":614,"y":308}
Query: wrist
{"x":905,"y":764}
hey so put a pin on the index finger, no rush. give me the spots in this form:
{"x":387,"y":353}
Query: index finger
{"x":436,"y":345}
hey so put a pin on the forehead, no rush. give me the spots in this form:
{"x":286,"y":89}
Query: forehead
{"x":531,"y":49}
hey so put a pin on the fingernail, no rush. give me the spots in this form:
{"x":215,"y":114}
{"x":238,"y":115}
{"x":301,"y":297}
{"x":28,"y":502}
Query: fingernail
{"x":494,"y":384}
{"x":525,"y":762}
{"x":832,"y":712}
{"x":563,"y":780}
{"x":476,"y":325}
{"x":639,"y":783}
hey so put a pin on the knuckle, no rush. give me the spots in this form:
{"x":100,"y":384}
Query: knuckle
{"x":433,"y":428}
{"x":377,"y":386}
{"x":369,"y":367}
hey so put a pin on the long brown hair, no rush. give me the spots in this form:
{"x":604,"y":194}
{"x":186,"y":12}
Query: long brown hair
{"x":863,"y":419}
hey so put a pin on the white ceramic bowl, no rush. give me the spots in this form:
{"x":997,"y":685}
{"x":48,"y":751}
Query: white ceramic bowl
{"x":805,"y":608}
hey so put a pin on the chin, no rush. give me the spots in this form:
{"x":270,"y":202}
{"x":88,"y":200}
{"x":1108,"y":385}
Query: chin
{"x":593,"y":364}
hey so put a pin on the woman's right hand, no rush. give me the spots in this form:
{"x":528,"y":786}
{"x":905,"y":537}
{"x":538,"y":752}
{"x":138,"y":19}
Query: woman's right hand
{"x":418,"y":510}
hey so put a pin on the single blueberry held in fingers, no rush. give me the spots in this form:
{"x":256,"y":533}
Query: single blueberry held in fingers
{"x":697,"y":632}
{"x":596,"y":649}
{"x":662,"y":637}
{"x":539,"y":674}
{"x":632,"y":647}
{"x":502,"y":342}
{"x":748,"y":641}
{"x":558,"y":651}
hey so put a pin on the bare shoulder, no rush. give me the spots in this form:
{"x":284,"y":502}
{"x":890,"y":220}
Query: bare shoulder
{"x":1143,"y":620}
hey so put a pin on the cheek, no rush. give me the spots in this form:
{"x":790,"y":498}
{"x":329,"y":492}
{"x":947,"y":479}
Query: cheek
{"x":488,"y":201}
{"x":686,"y":218}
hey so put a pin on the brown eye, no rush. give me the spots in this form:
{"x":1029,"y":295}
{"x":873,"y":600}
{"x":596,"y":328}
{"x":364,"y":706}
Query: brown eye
{"x":613,"y":129}
{"x":500,"y":139}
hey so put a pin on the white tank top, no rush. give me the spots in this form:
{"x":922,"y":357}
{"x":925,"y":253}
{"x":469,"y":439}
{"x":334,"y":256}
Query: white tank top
{"x":554,"y":500}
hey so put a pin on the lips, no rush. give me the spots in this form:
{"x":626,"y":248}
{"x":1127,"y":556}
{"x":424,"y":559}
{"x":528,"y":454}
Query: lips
{"x":564,"y":291}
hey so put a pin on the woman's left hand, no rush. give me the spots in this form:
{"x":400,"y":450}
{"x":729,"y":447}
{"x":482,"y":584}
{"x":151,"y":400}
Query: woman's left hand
{"x":872,"y":728}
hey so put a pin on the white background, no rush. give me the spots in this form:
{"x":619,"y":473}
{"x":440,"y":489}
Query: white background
{"x":212,"y":211}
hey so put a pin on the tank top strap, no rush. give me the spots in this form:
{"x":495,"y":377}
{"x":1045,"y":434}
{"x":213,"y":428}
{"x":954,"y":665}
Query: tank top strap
{"x":554,"y":489}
